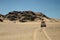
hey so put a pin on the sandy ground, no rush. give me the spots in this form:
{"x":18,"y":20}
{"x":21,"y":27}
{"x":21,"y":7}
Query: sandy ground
{"x":26,"y":31}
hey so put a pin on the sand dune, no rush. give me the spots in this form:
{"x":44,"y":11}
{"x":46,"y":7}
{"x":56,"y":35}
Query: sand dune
{"x":25,"y":31}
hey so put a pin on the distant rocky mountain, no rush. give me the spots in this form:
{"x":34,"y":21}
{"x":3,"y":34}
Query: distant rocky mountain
{"x":24,"y":16}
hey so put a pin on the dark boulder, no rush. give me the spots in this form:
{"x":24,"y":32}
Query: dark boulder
{"x":1,"y":20}
{"x":12,"y":18}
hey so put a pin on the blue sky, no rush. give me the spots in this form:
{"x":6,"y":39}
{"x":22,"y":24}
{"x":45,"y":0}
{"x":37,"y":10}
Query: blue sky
{"x":51,"y":8}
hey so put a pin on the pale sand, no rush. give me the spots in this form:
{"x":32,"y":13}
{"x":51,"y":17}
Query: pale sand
{"x":27,"y":31}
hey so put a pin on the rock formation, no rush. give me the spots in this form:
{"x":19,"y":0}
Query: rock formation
{"x":24,"y":16}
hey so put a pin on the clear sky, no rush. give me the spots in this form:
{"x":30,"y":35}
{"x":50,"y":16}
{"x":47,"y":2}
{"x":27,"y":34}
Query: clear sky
{"x":51,"y":8}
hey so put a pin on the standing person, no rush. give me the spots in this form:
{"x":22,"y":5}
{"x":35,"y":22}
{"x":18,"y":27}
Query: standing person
{"x":43,"y":27}
{"x":43,"y":24}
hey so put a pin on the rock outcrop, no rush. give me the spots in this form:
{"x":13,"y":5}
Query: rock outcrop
{"x":24,"y":16}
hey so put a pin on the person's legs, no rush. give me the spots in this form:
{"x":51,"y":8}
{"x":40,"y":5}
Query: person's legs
{"x":42,"y":29}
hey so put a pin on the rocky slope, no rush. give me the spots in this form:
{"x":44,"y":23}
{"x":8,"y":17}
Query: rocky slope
{"x":24,"y":16}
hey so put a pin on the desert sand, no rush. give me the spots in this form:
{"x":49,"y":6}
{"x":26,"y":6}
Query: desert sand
{"x":28,"y":31}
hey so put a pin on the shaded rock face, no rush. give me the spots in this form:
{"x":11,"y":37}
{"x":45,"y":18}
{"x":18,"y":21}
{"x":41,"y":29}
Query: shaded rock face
{"x":1,"y":20}
{"x":24,"y":16}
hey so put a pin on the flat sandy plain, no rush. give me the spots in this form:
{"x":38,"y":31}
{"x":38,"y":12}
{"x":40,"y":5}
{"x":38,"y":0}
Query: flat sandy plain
{"x":25,"y":31}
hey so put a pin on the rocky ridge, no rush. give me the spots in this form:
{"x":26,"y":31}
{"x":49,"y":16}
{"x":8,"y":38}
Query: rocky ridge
{"x":24,"y":16}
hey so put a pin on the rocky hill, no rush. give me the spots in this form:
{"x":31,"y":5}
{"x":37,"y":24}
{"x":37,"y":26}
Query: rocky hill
{"x":24,"y":16}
